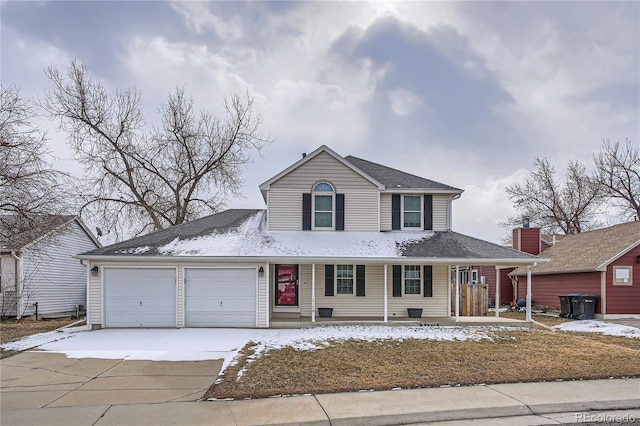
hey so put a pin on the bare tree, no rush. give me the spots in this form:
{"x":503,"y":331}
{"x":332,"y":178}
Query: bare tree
{"x":143,"y":180}
{"x":568,"y":207}
{"x":30,"y":191}
{"x":618,"y":171}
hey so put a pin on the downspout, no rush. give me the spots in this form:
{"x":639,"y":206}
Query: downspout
{"x":267,"y":284}
{"x":528,"y":315}
{"x":19,"y":284}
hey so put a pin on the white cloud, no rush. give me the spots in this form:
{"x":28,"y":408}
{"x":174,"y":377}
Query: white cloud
{"x":199,"y":18}
{"x":403,"y":102}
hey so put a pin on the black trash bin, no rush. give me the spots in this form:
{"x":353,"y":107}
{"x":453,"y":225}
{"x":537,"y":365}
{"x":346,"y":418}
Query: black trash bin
{"x":566,"y":306}
{"x":584,"y":306}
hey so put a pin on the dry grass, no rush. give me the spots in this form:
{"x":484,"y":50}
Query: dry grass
{"x":513,"y":356}
{"x":549,"y":320}
{"x":12,"y":330}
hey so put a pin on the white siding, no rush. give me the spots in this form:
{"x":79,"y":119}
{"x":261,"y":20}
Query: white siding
{"x":52,"y":277}
{"x":96,"y":297}
{"x":285,"y":195}
{"x":440,"y":213}
{"x":372,"y":305}
{"x":385,"y":212}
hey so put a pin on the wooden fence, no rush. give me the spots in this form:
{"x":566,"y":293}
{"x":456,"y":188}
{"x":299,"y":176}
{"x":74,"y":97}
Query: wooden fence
{"x":474,"y":299}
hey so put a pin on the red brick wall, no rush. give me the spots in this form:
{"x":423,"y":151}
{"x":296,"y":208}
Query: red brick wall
{"x":623,"y":299}
{"x":545,"y":288}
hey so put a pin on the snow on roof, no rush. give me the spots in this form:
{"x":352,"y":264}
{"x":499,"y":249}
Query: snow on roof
{"x":251,"y":239}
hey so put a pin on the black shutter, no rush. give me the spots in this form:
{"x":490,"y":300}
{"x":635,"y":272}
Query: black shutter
{"x":360,"y":280}
{"x":428,"y":280}
{"x":397,"y":281}
{"x":428,"y":212}
{"x":395,"y":211}
{"x":306,"y":212}
{"x":339,"y":212}
{"x":328,"y":280}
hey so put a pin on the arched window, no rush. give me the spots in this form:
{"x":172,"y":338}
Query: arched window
{"x":323,"y":206}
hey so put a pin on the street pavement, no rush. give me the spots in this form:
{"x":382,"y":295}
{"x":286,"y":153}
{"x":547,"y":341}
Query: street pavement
{"x":39,"y":388}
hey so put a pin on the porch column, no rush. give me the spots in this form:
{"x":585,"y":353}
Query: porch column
{"x":497,"y":300}
{"x":313,"y":292}
{"x":529,"y":293}
{"x":457,"y":293}
{"x":386,"y":315}
{"x":268,"y":290}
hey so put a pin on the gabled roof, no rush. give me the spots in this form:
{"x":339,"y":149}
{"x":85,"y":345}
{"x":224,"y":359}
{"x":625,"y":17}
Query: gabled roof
{"x":239,"y":235}
{"x":385,"y":178}
{"x":394,"y":179}
{"x":34,"y":229}
{"x":588,"y":251}
{"x":265,"y":186}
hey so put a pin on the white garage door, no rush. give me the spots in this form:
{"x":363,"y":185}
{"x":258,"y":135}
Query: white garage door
{"x":220,"y":297}
{"x":140,"y":297}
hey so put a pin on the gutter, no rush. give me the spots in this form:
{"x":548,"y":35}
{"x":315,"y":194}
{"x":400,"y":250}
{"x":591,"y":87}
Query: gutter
{"x":320,"y":259}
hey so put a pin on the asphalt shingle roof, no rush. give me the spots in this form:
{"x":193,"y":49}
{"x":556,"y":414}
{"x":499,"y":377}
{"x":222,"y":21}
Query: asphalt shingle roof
{"x":453,"y":245}
{"x":220,"y":222}
{"x":394,"y":178}
{"x":587,"y":251}
{"x":18,"y":232}
{"x":247,"y":226}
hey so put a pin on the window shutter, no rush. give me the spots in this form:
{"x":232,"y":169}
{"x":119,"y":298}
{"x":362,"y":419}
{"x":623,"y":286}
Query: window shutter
{"x":360,"y":280}
{"x":428,"y":280}
{"x":306,"y":212}
{"x":428,"y":212}
{"x":395,"y":211}
{"x":328,"y":280}
{"x":397,"y":280}
{"x":339,"y":212}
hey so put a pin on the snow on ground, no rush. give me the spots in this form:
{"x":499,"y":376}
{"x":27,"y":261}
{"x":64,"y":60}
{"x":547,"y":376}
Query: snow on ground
{"x":192,"y":344}
{"x":593,"y":326}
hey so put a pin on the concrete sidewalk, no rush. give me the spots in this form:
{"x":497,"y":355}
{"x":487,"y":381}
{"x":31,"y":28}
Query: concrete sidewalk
{"x":49,"y":389}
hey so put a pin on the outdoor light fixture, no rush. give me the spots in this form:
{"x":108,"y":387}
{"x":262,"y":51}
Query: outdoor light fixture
{"x":94,"y":271}
{"x":261,"y":272}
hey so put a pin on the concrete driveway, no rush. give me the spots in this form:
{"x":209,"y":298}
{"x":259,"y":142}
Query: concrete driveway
{"x":38,"y":379}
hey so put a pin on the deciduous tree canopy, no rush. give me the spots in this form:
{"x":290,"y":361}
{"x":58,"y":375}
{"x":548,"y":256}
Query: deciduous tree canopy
{"x":141,"y":178}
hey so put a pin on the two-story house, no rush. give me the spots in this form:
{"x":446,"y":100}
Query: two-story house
{"x":360,"y":239}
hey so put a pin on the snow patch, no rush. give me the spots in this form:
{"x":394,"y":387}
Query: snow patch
{"x":251,"y":239}
{"x":594,"y":326}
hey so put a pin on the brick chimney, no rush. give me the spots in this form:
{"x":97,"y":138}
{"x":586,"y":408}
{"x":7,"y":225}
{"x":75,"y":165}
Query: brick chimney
{"x":527,"y":239}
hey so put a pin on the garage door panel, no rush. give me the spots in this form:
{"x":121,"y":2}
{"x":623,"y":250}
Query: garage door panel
{"x":220,"y":297}
{"x":140,"y":297}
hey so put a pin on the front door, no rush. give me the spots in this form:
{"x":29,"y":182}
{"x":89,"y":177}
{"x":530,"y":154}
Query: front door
{"x":286,"y":287}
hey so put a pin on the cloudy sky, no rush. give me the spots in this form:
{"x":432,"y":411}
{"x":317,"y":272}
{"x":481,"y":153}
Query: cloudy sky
{"x":465,"y":93}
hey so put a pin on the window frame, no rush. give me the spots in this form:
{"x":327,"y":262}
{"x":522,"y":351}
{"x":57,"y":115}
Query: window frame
{"x":618,"y":282}
{"x":314,"y":193}
{"x":352,"y":278}
{"x":420,"y":281}
{"x":420,"y":212}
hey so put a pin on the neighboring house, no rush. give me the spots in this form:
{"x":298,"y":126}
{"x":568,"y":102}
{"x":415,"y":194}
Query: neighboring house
{"x":604,"y":262}
{"x":363,"y":239}
{"x":38,"y":267}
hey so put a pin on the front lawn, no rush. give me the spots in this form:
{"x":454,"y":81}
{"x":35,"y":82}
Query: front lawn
{"x":353,"y":365}
{"x":12,"y":330}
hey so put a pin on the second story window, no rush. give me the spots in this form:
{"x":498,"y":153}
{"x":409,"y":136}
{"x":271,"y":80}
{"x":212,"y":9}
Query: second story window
{"x":411,"y":211}
{"x":323,"y":203}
